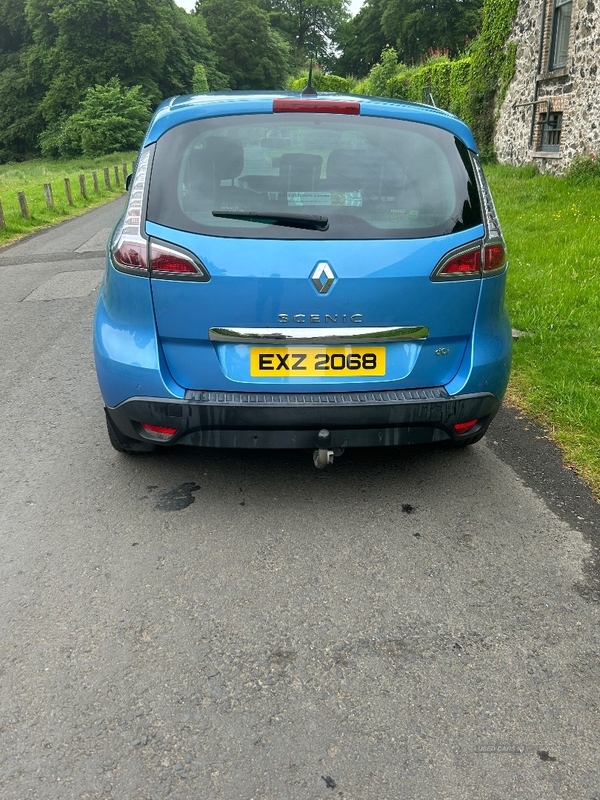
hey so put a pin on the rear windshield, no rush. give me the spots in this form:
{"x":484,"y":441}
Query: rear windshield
{"x":370,"y":178}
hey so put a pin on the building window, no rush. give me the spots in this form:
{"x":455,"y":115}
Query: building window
{"x":551,"y":125}
{"x":561,"y":25}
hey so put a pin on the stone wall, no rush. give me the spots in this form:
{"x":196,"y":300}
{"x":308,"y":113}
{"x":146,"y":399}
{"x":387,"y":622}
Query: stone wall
{"x":573,"y":90}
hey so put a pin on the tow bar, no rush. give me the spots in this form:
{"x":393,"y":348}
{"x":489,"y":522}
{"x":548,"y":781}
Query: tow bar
{"x":323,"y":456}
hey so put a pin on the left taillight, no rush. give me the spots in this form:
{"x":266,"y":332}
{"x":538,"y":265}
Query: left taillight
{"x":129,"y":249}
{"x":169,"y":261}
{"x":137,"y":254}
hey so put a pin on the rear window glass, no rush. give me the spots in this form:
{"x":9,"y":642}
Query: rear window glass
{"x":371,"y":178}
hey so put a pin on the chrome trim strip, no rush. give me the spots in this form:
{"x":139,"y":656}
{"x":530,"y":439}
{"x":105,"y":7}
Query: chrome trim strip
{"x":318,"y":335}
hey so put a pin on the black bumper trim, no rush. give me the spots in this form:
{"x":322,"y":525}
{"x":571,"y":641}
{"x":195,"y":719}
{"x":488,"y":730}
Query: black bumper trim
{"x":316,"y":398}
{"x":263,"y":420}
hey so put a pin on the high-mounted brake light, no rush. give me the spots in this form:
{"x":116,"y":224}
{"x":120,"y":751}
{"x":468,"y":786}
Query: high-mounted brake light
{"x":315,"y":106}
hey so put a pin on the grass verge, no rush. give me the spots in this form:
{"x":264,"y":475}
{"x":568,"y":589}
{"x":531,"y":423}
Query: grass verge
{"x":30,"y":176}
{"x":550,"y":225}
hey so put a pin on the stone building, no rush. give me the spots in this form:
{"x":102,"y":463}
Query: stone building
{"x":551,"y":112}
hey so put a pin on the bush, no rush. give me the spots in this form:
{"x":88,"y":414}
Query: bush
{"x":584,"y":169}
{"x":111,"y":118}
{"x":59,"y":140}
{"x":382,"y":72}
{"x":321,"y":82}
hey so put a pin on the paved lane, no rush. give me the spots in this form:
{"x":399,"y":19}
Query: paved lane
{"x":410,"y":624}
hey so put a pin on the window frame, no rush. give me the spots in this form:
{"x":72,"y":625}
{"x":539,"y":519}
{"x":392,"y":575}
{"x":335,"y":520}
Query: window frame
{"x":550,"y":131}
{"x":561,"y":34}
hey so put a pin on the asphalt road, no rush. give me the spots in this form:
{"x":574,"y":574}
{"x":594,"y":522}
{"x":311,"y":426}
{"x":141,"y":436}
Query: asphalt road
{"x":407,"y":624}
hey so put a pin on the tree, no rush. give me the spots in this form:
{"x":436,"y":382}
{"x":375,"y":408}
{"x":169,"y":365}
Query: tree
{"x":200,"y":81}
{"x":309,"y":26}
{"x":417,"y":27}
{"x":251,"y":53}
{"x":20,"y":95}
{"x":80,"y":43}
{"x":361,"y":40}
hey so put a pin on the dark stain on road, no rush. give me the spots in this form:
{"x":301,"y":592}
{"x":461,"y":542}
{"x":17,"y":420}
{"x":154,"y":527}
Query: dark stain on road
{"x":329,"y":782}
{"x":545,"y":755}
{"x":179,"y":498}
{"x":407,"y":508}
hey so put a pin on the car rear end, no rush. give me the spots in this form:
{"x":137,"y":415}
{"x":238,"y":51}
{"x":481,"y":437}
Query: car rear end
{"x":294,"y":272}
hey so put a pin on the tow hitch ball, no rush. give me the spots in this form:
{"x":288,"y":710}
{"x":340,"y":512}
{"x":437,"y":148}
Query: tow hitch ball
{"x":323,"y":455}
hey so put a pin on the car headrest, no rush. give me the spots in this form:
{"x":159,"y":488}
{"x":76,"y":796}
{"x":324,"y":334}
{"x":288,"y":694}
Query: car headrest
{"x":300,"y":171}
{"x":227,"y":156}
{"x":347,"y":163}
{"x":219,"y":160}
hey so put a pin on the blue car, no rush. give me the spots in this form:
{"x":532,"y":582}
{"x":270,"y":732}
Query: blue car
{"x":293,"y":271}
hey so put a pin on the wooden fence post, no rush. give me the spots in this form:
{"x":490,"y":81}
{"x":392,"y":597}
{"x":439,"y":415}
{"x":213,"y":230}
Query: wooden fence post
{"x":49,"y":197}
{"x":2,"y":220}
{"x":117,"y":181}
{"x":124,"y":174}
{"x":23,"y":203}
{"x":95,"y":181}
{"x":107,"y":178}
{"x":68,"y":191}
{"x":82,"y":188}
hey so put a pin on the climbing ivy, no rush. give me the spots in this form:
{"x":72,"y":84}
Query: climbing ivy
{"x":506,"y":74}
{"x":490,"y":69}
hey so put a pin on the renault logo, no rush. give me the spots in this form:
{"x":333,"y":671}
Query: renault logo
{"x":323,"y":277}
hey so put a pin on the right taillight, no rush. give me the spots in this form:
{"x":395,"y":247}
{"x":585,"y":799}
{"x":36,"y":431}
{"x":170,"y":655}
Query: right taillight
{"x":471,"y":262}
{"x":494,"y":257}
{"x":461,"y":264}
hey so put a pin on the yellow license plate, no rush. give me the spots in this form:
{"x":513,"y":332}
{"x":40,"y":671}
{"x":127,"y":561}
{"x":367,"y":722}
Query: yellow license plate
{"x":316,"y":362}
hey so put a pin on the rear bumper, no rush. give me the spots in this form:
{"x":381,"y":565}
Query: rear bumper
{"x":260,"y":420}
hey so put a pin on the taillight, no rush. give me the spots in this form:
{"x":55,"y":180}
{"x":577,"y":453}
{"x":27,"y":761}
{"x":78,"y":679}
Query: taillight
{"x":315,"y":106}
{"x":130,"y":252}
{"x":471,"y":262}
{"x":468,"y":264}
{"x":158,"y":432}
{"x":129,"y":248}
{"x":167,"y":261}
{"x":495,"y":257}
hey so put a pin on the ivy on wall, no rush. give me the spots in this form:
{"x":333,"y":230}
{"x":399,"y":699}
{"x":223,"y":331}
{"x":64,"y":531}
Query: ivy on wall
{"x":489,"y":70}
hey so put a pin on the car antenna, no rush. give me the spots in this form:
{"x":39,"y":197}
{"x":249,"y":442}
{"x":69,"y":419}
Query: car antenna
{"x":309,"y":90}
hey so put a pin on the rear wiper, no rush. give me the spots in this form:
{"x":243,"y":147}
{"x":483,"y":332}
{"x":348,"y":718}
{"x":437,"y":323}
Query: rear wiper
{"x":314,"y":222}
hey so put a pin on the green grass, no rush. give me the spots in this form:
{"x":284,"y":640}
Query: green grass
{"x":30,"y":177}
{"x":551,"y":227}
